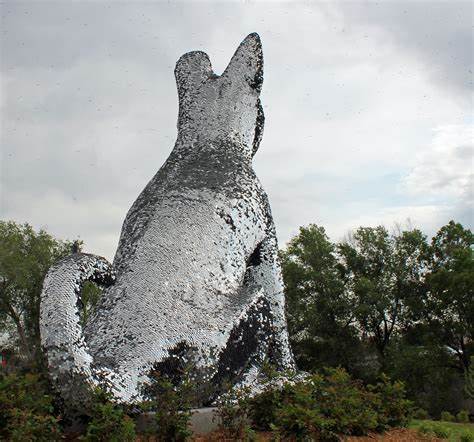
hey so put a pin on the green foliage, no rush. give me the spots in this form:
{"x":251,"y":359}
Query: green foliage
{"x":321,"y":406}
{"x":469,"y":379}
{"x":90,"y":296}
{"x":441,"y":432}
{"x":27,"y":426}
{"x":394,"y":410}
{"x":420,"y":413}
{"x":25,"y":257}
{"x":454,"y":432}
{"x":376,"y":303}
{"x":462,"y":417}
{"x":425,"y":428}
{"x":264,"y":407}
{"x":172,"y":392}
{"x":383,"y":276}
{"x":383,"y":302}
{"x":466,"y":437}
{"x":426,"y":370}
{"x":450,"y":282}
{"x":333,"y":403}
{"x":172,"y":409}
{"x":347,"y":402}
{"x":233,"y":410}
{"x":108,"y":421}
{"x":319,"y":312}
{"x":26,"y":409}
{"x":446,"y":416}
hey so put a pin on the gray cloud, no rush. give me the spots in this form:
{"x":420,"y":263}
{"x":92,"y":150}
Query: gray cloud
{"x":437,"y":34}
{"x":89,"y":106}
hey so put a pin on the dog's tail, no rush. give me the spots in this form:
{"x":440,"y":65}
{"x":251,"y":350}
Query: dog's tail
{"x":70,"y":362}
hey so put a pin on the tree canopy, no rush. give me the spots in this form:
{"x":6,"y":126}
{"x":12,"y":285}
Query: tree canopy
{"x":383,"y":301}
{"x":25,"y":257}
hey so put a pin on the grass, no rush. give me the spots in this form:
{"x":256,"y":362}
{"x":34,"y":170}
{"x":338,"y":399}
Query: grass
{"x":452,"y":431}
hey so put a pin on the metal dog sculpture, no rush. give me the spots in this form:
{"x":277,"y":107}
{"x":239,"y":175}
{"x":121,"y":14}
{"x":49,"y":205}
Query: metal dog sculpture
{"x":196,"y":263}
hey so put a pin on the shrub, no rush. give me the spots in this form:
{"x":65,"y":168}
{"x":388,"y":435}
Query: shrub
{"x":263,"y":408}
{"x":466,"y":437}
{"x":426,"y":428}
{"x":26,"y":409}
{"x":353,"y":408}
{"x":108,"y":421}
{"x":172,"y":393}
{"x":463,"y":416}
{"x":421,"y":414}
{"x":171,"y":406}
{"x":300,"y":414}
{"x":233,"y":410}
{"x":394,"y":409}
{"x":447,"y":416}
{"x":327,"y":404}
{"x":441,"y":431}
{"x":28,"y":426}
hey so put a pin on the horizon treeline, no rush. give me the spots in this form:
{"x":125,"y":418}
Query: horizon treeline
{"x":377,"y":302}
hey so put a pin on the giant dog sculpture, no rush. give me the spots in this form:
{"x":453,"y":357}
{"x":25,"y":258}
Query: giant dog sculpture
{"x":197,"y":258}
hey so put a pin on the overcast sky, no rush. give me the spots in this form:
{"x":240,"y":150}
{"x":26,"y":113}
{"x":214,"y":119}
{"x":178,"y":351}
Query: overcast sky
{"x":369,"y":111}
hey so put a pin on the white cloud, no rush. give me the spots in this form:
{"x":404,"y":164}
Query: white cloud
{"x":445,"y":170}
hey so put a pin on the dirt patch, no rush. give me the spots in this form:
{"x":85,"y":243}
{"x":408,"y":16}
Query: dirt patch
{"x":396,"y":435}
{"x":218,"y":436}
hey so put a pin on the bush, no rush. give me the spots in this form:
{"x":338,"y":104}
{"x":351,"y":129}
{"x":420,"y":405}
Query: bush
{"x":394,"y":409}
{"x":426,"y":428}
{"x":26,"y":409}
{"x":447,"y":416}
{"x":27,"y":426}
{"x":421,"y":414}
{"x":327,"y":404}
{"x":233,"y":410}
{"x":300,"y":414}
{"x":171,"y":406}
{"x":171,"y":396}
{"x":441,"y":432}
{"x":263,"y":408}
{"x":463,"y":417}
{"x":466,"y":437}
{"x":108,"y":421}
{"x":333,"y":403}
{"x":347,"y":402}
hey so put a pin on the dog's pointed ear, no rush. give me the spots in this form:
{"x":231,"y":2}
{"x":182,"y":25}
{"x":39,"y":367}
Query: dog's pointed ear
{"x":246,"y":65}
{"x":192,"y":69}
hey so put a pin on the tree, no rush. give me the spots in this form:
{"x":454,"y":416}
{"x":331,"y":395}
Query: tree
{"x":320,"y":315}
{"x":469,"y":380}
{"x":383,"y":274}
{"x":25,"y":257}
{"x":449,"y":306}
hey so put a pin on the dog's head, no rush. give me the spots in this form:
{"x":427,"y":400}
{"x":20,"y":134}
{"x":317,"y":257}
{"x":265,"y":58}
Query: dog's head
{"x":222,"y":108}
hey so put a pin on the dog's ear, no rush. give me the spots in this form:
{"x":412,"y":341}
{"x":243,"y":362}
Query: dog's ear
{"x":246,"y":66}
{"x":191,"y":70}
